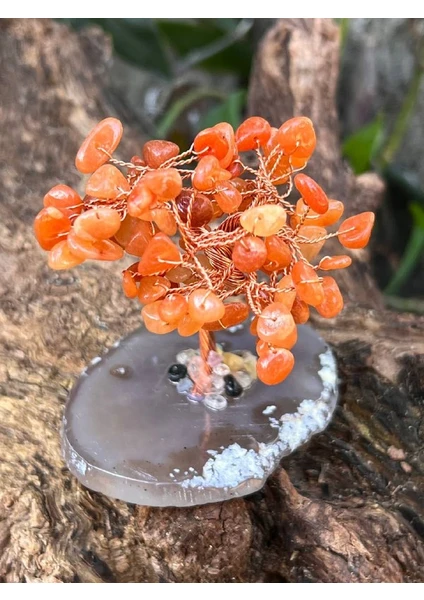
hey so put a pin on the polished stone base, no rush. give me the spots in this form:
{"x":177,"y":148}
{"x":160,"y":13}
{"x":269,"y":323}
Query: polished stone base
{"x":130,"y":435}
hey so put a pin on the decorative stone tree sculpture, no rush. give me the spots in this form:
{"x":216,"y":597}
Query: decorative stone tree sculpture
{"x":347,"y":507}
{"x":243,"y":249}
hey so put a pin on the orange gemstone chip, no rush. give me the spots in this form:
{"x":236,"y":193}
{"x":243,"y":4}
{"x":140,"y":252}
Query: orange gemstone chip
{"x":99,"y":145}
{"x":275,"y":366}
{"x":107,"y":182}
{"x":65,"y":199}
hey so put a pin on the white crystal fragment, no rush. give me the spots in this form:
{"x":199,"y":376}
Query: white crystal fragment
{"x":185,"y":356}
{"x":215,"y":402}
{"x":243,"y":378}
{"x":221,"y":369}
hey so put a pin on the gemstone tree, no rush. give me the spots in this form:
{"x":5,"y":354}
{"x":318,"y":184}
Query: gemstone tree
{"x":217,"y":242}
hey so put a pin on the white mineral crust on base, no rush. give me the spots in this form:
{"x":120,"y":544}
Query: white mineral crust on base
{"x":235,"y":464}
{"x":269,"y":409}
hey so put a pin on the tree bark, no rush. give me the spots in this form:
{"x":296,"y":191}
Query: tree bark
{"x":348,"y":507}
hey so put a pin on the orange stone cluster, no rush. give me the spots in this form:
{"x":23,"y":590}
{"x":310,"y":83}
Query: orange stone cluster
{"x":243,"y":247}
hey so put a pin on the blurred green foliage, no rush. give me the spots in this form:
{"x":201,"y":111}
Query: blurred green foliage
{"x":362,"y":146}
{"x":230,"y":110}
{"x":413,"y":251}
{"x":368,"y":149}
{"x":171,"y":48}
{"x":168,"y":46}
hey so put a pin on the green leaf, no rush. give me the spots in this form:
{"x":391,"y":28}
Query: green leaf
{"x":139,"y":42}
{"x":417,"y":212}
{"x":360,"y":147}
{"x":188,"y":38}
{"x":412,"y":253}
{"x":177,"y":108}
{"x":231,"y":111}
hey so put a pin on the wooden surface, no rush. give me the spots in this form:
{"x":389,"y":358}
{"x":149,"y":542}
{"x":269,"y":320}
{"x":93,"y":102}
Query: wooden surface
{"x":348,"y":507}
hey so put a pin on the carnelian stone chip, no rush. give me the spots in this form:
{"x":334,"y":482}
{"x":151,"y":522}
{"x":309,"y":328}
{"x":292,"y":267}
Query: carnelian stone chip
{"x":140,"y":199}
{"x":333,"y":300}
{"x":157,"y":152}
{"x":226,"y":131}
{"x":153,"y":320}
{"x":280,"y":164}
{"x":137,"y":161}
{"x":355,"y":232}
{"x":313,"y":195}
{"x":333,"y":214}
{"x":253,"y":327}
{"x":201,"y":208}
{"x":164,"y":183}
{"x":275,"y":366}
{"x":300,"y":311}
{"x":61,"y":257}
{"x":330,"y":263}
{"x":107,"y":182}
{"x":97,"y":223}
{"x":235,"y":313}
{"x":211,"y":142}
{"x":204,"y":306}
{"x":271,"y":143}
{"x":286,"y":291}
{"x":94,"y":250}
{"x":134,"y":235}
{"x":179,"y":274}
{"x":297,"y":137}
{"x":249,"y":254}
{"x":129,"y":285}
{"x":276,"y":325}
{"x":279,"y":167}
{"x":227,"y":197}
{"x":208,"y":173}
{"x":65,"y":199}
{"x":253,"y":132}
{"x":188,"y":326}
{"x":236,"y":168}
{"x":217,"y":141}
{"x":50,"y":227}
{"x":306,"y":281}
{"x":173,"y":308}
{"x":278,"y":255}
{"x":164,"y":220}
{"x":317,"y":236}
{"x":263,"y":347}
{"x":264,"y":220}
{"x":152,"y":288}
{"x":100,"y":143}
{"x":160,"y":255}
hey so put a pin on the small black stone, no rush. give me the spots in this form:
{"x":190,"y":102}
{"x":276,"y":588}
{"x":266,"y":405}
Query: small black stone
{"x":177,"y":372}
{"x":232,"y":386}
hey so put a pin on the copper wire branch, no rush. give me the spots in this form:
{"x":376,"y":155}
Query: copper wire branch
{"x":206,"y":345}
{"x":208,"y":250}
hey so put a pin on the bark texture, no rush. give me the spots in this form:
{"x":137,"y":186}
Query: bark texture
{"x":346,"y":508}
